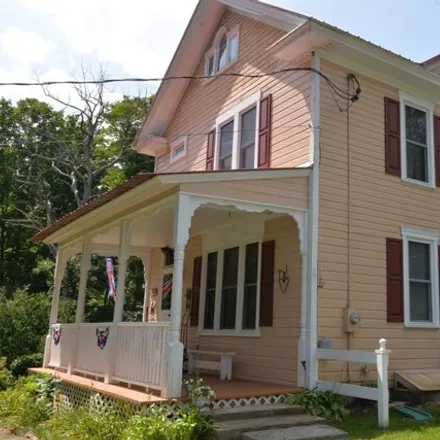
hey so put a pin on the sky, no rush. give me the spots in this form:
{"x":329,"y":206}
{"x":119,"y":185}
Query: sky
{"x":55,"y":39}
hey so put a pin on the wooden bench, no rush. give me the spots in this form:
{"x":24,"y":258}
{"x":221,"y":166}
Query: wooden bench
{"x":224,"y":366}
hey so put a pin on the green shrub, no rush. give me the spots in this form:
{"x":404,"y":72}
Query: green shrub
{"x":81,"y":424}
{"x":325,"y":404}
{"x":21,"y":407}
{"x":190,"y":423}
{"x":6,"y":377}
{"x":21,"y":364}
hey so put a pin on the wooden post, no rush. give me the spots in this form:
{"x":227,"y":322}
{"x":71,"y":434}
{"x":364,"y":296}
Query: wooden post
{"x":182,"y":221}
{"x":124,"y":254}
{"x":84,"y":274}
{"x":382,"y":383}
{"x":60,"y":266}
{"x":146,"y":260}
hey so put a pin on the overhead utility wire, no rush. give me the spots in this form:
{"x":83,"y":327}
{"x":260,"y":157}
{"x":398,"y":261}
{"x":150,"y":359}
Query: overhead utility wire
{"x":339,"y":91}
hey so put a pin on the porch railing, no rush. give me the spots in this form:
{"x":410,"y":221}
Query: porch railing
{"x":133,"y":353}
{"x":380,"y":394}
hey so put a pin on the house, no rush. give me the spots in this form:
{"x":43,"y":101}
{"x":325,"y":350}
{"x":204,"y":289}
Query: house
{"x":293,"y":204}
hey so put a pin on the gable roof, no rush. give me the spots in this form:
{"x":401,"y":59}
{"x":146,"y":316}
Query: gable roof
{"x":192,"y":47}
{"x":199,"y":31}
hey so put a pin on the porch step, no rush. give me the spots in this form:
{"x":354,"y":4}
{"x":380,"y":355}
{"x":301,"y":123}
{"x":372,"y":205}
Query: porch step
{"x":313,"y":432}
{"x":233,"y":429}
{"x":255,"y":411}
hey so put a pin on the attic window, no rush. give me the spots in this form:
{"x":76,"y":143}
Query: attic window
{"x":178,"y":149}
{"x":223,"y":51}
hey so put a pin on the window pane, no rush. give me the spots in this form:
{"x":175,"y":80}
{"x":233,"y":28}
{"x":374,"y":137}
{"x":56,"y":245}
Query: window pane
{"x":417,"y":162}
{"x":233,"y":47}
{"x":210,"y":65}
{"x":229,"y":289}
{"x":415,"y":125}
{"x":225,"y":151}
{"x":250,"y":287}
{"x":211,"y":279}
{"x":419,"y":261}
{"x":420,"y":301}
{"x":222,"y":53}
{"x":247,"y":138}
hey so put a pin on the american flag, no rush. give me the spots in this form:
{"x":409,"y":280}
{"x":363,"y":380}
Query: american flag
{"x":167,"y":287}
{"x":110,"y":277}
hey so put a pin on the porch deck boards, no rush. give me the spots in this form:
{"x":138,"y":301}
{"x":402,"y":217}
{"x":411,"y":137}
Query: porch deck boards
{"x":420,"y":380}
{"x":224,"y":389}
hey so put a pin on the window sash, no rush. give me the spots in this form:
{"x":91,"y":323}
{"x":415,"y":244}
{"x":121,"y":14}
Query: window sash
{"x":421,"y":310}
{"x":417,"y":158}
{"x":242,"y":292}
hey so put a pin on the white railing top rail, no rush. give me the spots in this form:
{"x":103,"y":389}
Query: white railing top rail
{"x":364,"y":357}
{"x":115,"y":324}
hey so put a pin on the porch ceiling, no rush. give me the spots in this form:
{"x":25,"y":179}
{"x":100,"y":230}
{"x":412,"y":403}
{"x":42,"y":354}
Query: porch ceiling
{"x":149,"y":199}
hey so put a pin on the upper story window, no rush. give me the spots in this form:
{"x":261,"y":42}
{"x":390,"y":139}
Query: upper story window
{"x":417,"y":140}
{"x":223,"y":52}
{"x":178,"y":149}
{"x":237,"y":136}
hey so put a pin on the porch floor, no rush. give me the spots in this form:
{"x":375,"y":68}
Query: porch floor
{"x":224,"y":389}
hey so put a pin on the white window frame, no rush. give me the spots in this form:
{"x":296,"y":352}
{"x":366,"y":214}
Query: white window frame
{"x":427,"y":107}
{"x":426,"y":237}
{"x":175,"y":145}
{"x":214,"y":50}
{"x":239,"y":331}
{"x":234,"y":114}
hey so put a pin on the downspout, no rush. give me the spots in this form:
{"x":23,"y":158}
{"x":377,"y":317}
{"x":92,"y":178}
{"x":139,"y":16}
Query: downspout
{"x":312,"y":309}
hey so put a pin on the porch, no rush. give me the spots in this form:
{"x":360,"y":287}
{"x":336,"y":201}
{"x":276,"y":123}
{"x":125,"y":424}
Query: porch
{"x":194,"y":234}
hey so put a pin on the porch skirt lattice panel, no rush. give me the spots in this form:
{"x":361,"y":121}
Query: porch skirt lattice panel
{"x":69,"y":396}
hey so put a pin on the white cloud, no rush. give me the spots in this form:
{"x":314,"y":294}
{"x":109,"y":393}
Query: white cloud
{"x":24,"y":46}
{"x":140,"y":36}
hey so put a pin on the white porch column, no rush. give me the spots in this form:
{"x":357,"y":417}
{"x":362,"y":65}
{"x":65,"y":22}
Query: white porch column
{"x":84,"y":274}
{"x":302,"y":343}
{"x":146,"y":261}
{"x":60,"y":268}
{"x":124,"y":254}
{"x":182,"y":222}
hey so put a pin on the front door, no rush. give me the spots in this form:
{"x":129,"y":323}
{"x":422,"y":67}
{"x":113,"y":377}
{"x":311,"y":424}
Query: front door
{"x":166,"y":295}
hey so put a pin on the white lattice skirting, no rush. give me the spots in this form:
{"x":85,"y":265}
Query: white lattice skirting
{"x":69,"y":396}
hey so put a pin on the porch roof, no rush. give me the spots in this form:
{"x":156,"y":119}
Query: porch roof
{"x":163,"y":182}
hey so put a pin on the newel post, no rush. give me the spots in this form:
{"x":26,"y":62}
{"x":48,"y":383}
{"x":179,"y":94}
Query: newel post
{"x":182,"y":221}
{"x":382,"y":355}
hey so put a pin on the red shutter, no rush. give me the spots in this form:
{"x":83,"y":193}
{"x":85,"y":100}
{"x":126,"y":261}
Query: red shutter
{"x":267,"y":283}
{"x":394,"y":280}
{"x":437,"y":149}
{"x":264,"y":132}
{"x":196,"y":284}
{"x":210,"y":151}
{"x":392,"y":137}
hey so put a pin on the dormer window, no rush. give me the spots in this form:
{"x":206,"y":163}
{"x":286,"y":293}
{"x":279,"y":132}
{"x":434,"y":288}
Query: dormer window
{"x":223,"y":52}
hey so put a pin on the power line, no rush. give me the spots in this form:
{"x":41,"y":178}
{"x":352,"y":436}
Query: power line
{"x":339,"y":91}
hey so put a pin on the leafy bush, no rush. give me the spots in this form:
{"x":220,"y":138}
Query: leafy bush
{"x":6,"y":377}
{"x":21,"y":364}
{"x":325,"y":404}
{"x":21,"y":407}
{"x":81,"y":424}
{"x":24,"y":320}
{"x":189,"y":423}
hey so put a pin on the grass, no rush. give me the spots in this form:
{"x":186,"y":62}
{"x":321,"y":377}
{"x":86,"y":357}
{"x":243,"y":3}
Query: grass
{"x":363,"y":426}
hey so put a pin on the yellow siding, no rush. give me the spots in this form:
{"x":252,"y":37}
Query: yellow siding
{"x":360,"y":206}
{"x":291,"y":192}
{"x":272,"y":356}
{"x":204,"y":101}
